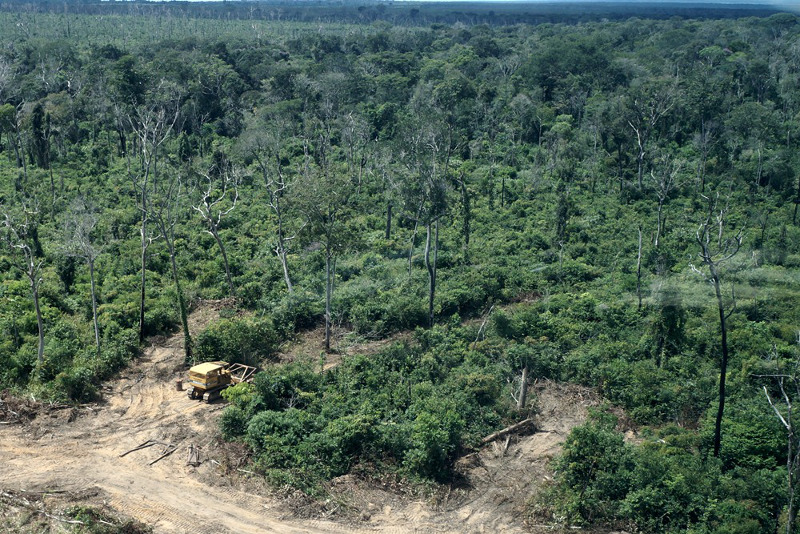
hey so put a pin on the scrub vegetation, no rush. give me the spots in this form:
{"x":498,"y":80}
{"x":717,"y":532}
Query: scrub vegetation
{"x":612,"y":204}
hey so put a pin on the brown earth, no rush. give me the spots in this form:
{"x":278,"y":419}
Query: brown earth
{"x":77,"y":452}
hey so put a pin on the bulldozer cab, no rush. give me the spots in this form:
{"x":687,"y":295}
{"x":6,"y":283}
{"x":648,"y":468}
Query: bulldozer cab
{"x":208,"y":375}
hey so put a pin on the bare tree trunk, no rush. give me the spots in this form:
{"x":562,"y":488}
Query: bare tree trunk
{"x":723,"y":368}
{"x":281,"y":252}
{"x":431,"y":266}
{"x":713,"y":259}
{"x":215,"y":233}
{"x":659,"y":222}
{"x":640,"y":163}
{"x":796,"y":202}
{"x":94,"y":306}
{"x":15,"y":143}
{"x":39,"y":322}
{"x":792,"y":456}
{"x":639,"y":272}
{"x":145,"y":245}
{"x":791,"y":469}
{"x":22,"y":238}
{"x":328,"y":291}
{"x":187,"y":339}
{"x":411,"y":247}
{"x":21,"y":157}
{"x":467,"y":215}
{"x":388,"y":220}
{"x":431,"y":279}
{"x":523,"y":389}
{"x":52,"y":188}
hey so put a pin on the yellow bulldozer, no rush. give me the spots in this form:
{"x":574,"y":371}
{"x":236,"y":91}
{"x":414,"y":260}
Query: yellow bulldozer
{"x":207,"y":380}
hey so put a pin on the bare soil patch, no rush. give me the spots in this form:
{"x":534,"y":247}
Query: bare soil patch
{"x":495,"y":483}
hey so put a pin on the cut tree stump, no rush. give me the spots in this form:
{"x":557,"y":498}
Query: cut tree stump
{"x":194,"y":456}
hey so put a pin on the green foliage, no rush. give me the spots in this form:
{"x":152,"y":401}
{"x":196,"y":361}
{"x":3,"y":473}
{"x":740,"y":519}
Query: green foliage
{"x":541,"y":153}
{"x":239,"y":340}
{"x":409,"y":409}
{"x":77,"y":384}
{"x":436,"y":436}
{"x":94,"y":521}
{"x":595,"y":469}
{"x":662,"y":485}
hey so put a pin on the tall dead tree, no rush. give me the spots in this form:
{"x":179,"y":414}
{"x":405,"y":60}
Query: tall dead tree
{"x":466,"y":215}
{"x":787,"y":385}
{"x":152,"y":124}
{"x":17,"y":140}
{"x":426,"y":150}
{"x":355,"y":133}
{"x":327,"y":195}
{"x":19,"y":237}
{"x":79,"y":224}
{"x":165,"y":210}
{"x":263,"y":142}
{"x":703,"y":142}
{"x":648,"y":104}
{"x":218,"y":199}
{"x":716,"y":249}
{"x":639,"y":272}
{"x":663,"y":180}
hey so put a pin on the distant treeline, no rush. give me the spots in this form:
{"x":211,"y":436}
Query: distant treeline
{"x":405,"y":13}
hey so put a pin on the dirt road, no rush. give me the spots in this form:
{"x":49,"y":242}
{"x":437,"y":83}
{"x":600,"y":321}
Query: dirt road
{"x":76,"y":452}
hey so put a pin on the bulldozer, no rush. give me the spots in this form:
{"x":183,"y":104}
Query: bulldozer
{"x":208,"y":380}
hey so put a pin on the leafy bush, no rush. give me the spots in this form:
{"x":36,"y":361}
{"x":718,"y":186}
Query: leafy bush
{"x":240,"y":340}
{"x":660,"y":486}
{"x":296,"y":311}
{"x":594,"y":469}
{"x":233,"y":422}
{"x":411,"y":409}
{"x":160,"y":317}
{"x":436,"y":436}
{"x":76,"y":384}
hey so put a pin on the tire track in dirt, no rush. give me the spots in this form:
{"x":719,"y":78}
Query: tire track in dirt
{"x":74,"y":455}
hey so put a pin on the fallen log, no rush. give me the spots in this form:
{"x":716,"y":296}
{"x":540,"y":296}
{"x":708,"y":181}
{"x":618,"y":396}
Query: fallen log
{"x":169,"y":450}
{"x":506,"y":431}
{"x":148,"y":443}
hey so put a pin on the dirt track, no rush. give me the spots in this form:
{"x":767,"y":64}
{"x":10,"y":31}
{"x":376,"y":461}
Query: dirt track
{"x":76,"y":452}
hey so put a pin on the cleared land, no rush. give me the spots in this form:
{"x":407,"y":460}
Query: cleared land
{"x":68,"y":455}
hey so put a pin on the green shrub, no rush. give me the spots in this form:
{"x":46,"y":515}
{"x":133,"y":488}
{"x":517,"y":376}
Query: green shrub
{"x":240,"y":340}
{"x":435,"y":438}
{"x":76,"y":384}
{"x":297,"y":310}
{"x":595,"y":469}
{"x":233,"y":422}
{"x":295,"y":384}
{"x":116,"y":351}
{"x":571,"y":272}
{"x":160,"y":317}
{"x":273,"y":435}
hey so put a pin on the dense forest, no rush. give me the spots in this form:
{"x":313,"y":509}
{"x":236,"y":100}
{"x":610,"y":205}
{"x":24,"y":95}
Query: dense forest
{"x":610,"y":203}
